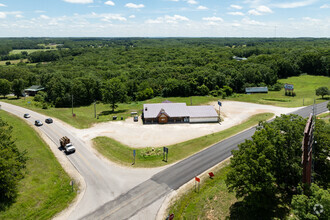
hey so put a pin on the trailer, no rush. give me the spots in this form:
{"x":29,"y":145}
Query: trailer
{"x":67,"y":145}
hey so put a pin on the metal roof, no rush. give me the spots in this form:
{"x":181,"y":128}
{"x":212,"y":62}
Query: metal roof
{"x":256,"y":89}
{"x":172,"y":109}
{"x":34,"y":88}
{"x":178,"y":110}
{"x":204,"y":111}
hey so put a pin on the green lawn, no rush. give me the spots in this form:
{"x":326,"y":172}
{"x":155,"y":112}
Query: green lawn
{"x":304,"y":87}
{"x":28,"y":51}
{"x":152,"y":157}
{"x":85,"y":114}
{"x":45,"y":190}
{"x":211,"y":202}
{"x":3,"y":62}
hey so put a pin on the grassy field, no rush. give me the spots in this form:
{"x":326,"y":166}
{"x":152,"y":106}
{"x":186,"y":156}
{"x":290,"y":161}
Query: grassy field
{"x":45,"y":190}
{"x":211,"y":202}
{"x":29,"y":51}
{"x":152,"y":157}
{"x":304,"y":87}
{"x":3,"y":62}
{"x":85,"y":114}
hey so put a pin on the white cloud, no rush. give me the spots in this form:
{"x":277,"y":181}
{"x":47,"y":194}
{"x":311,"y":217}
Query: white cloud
{"x":192,"y":2}
{"x":44,"y":17}
{"x":236,"y":7}
{"x":168,"y":19}
{"x":212,"y":19}
{"x":236,"y":13}
{"x":79,"y":1}
{"x":254,"y":12}
{"x":3,"y":5}
{"x":132,"y":5}
{"x":111,"y":3}
{"x":311,"y":19}
{"x":201,"y":7}
{"x":2,"y":15}
{"x":173,"y":0}
{"x":132,"y":16}
{"x":294,"y":4}
{"x":19,"y":16}
{"x":325,"y":6}
{"x":39,"y":11}
{"x":107,"y":17}
{"x":248,"y":21}
{"x":264,"y":9}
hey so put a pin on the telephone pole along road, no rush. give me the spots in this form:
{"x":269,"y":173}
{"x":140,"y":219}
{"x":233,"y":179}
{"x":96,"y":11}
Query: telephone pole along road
{"x":130,"y":203}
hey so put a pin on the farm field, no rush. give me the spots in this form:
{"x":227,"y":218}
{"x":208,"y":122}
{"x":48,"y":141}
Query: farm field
{"x":45,"y":190}
{"x":152,"y":157}
{"x":304,"y":87}
{"x":29,"y":51}
{"x":3,"y":62}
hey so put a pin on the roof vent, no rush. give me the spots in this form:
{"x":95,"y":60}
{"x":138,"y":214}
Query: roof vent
{"x":146,"y":109}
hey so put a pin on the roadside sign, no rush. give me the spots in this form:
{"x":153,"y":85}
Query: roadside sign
{"x":171,"y":217}
{"x":165,"y":149}
{"x":211,"y":174}
{"x":219,"y":103}
{"x":288,"y":86}
{"x":134,"y":152}
{"x":197,"y":179}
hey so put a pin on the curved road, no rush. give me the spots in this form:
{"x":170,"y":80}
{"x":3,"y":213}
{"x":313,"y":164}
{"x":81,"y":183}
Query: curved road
{"x":103,"y":182}
{"x":107,"y":195}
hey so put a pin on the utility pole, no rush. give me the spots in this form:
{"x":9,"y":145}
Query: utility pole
{"x":95,"y":109}
{"x":72,"y":105}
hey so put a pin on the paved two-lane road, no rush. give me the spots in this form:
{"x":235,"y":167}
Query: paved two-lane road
{"x":130,"y":203}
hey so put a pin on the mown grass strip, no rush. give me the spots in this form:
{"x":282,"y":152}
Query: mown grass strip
{"x":213,"y":200}
{"x":146,"y":157}
{"x":45,"y":190}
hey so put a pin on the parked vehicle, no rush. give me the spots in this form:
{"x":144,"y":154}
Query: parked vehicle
{"x":136,"y":118}
{"x":49,"y":120}
{"x":27,"y":115}
{"x":67,"y":145}
{"x":38,"y":123}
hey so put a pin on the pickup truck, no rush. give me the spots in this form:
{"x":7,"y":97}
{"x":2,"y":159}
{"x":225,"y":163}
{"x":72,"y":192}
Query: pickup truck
{"x":67,"y":145}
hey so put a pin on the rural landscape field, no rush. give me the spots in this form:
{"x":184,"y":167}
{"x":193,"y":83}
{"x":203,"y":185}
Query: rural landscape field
{"x":171,"y":109}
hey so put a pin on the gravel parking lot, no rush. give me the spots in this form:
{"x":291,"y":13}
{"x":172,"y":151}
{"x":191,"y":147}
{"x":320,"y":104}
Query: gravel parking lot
{"x":135,"y":134}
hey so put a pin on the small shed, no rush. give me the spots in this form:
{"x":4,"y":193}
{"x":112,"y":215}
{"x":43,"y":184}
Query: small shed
{"x":33,"y":90}
{"x":202,"y":114}
{"x":250,"y":90}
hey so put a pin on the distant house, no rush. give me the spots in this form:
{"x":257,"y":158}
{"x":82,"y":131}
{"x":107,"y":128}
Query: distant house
{"x":168,"y":112}
{"x":250,"y":90}
{"x":239,"y":58}
{"x":33,"y":90}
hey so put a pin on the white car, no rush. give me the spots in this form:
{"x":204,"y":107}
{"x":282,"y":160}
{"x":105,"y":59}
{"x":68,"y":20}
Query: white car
{"x":38,"y":123}
{"x":27,"y":115}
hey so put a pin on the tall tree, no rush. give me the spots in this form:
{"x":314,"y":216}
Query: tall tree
{"x":266,"y":170}
{"x":114,"y":91}
{"x":18,"y":87}
{"x":4,"y":87}
{"x":322,"y":91}
{"x":12,"y":164}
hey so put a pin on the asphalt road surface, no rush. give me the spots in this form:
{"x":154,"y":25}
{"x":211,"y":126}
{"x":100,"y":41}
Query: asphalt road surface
{"x":103,"y":182}
{"x":162,"y":183}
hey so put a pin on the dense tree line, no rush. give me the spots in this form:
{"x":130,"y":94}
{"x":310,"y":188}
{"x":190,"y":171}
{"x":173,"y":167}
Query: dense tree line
{"x":166,"y":67}
{"x":267,"y":173}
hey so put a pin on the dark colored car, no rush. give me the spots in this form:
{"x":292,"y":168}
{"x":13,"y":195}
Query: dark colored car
{"x":38,"y":123}
{"x":136,"y":118}
{"x":49,"y":120}
{"x":27,"y":115}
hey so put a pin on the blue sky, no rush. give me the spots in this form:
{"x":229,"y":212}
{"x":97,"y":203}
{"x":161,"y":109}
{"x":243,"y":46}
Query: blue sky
{"x":164,"y":18}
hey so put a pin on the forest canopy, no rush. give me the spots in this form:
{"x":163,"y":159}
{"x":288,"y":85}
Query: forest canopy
{"x":160,"y":67}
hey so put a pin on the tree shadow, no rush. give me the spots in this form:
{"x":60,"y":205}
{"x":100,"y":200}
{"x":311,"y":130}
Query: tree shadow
{"x":244,"y":210}
{"x":111,"y":112}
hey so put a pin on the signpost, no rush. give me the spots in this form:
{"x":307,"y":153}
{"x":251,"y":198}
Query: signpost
{"x":134,"y":153}
{"x":220,"y":104}
{"x":165,"y":154}
{"x":72,"y":183}
{"x":197,"y":180}
{"x":288,"y":87}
